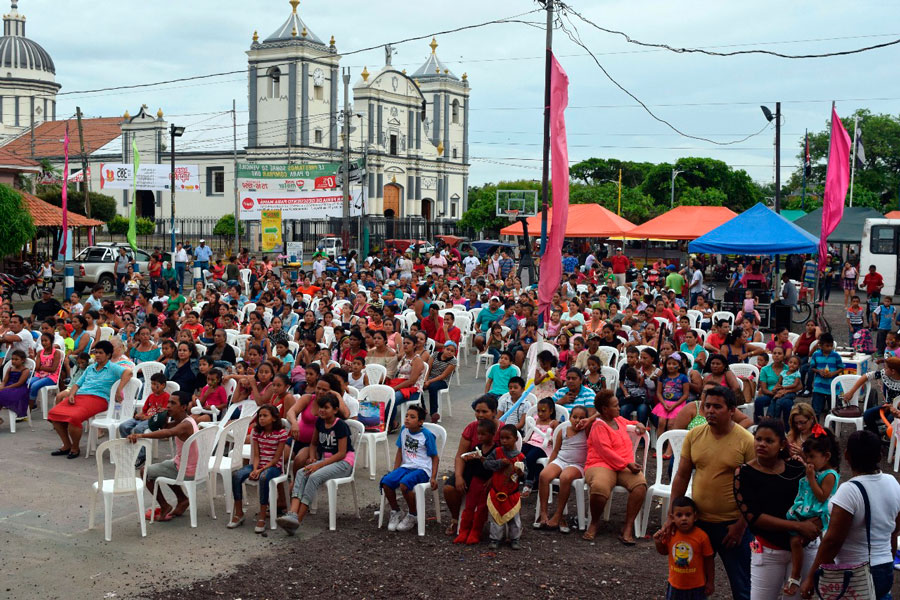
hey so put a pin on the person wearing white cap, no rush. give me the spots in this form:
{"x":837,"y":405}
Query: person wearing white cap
{"x":493,"y":312}
{"x":202,"y":254}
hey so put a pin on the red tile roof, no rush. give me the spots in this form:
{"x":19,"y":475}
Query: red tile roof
{"x":8,"y":159}
{"x":47,"y":215}
{"x":48,"y":137}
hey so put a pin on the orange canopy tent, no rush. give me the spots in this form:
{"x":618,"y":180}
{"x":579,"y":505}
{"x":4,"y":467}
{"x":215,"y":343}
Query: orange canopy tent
{"x":585,"y":221}
{"x":894,"y":214}
{"x":683,"y":223}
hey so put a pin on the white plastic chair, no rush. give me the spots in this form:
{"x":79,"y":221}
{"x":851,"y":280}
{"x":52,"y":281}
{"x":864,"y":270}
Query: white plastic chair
{"x":421,"y":489}
{"x":723,"y":314}
{"x":357,"y":431}
{"x":745,"y":370}
{"x":846,"y":382}
{"x":701,"y":335}
{"x":205,"y":442}
{"x":105,"y":333}
{"x":893,"y":454}
{"x":147,"y":369}
{"x":531,"y":361}
{"x":675,"y":439}
{"x":13,"y":417}
{"x":384,"y":395}
{"x":221,"y":464}
{"x":464,"y":322}
{"x":376,"y":373}
{"x":123,"y":455}
{"x":273,"y":483}
{"x":111,"y":421}
{"x":562,"y":413}
{"x":663,"y":322}
{"x":559,"y":431}
{"x":610,"y":356}
{"x":245,"y":280}
{"x":612,"y":377}
{"x":580,"y":494}
{"x":793,"y":337}
{"x":695,"y":316}
{"x":241,"y":342}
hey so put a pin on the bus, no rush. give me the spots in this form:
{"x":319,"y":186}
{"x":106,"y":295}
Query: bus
{"x":880,"y":246}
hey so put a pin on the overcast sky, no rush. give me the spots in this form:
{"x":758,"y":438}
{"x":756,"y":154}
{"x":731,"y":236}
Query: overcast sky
{"x":126,"y":42}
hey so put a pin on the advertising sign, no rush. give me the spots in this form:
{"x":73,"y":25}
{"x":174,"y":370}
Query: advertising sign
{"x":271,"y":231}
{"x":118,"y":176}
{"x":300,"y":205}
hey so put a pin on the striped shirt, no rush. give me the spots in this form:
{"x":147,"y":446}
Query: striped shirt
{"x":439,"y":365}
{"x":831,"y":361}
{"x":584,"y":398}
{"x":268,"y":444}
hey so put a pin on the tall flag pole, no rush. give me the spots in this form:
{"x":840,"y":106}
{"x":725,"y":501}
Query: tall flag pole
{"x":836,"y":182}
{"x":63,"y":246}
{"x":132,"y":217}
{"x":807,"y":169}
{"x":551,"y":263}
{"x":619,"y":212}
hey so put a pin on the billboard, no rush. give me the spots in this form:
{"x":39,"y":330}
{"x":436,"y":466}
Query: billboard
{"x":118,"y":176}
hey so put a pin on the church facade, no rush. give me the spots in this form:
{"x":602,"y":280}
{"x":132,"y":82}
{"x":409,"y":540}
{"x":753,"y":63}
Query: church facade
{"x":411,"y":128}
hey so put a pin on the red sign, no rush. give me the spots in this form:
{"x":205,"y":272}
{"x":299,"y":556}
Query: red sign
{"x":327,"y":182}
{"x":247,"y":203}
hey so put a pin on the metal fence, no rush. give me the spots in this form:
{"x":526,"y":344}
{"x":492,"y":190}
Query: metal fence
{"x":307,"y":231}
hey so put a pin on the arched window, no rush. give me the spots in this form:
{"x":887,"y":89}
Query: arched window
{"x":274,"y":82}
{"x":455,"y":111}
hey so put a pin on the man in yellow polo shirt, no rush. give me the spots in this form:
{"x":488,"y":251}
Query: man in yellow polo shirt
{"x":715,"y":450}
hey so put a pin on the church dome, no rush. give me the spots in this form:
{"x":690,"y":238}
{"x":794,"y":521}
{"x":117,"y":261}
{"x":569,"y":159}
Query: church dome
{"x":19,"y":52}
{"x":292,"y":31}
{"x":433,"y":67}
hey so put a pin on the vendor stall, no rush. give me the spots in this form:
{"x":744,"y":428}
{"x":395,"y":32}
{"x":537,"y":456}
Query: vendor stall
{"x":683,"y":223}
{"x":585,"y":221}
{"x":756,"y":232}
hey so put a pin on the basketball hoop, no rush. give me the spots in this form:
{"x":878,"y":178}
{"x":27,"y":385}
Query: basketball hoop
{"x":512,"y":213}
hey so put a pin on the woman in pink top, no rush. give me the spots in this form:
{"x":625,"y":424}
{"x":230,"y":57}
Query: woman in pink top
{"x":610,"y":462}
{"x":46,"y":371}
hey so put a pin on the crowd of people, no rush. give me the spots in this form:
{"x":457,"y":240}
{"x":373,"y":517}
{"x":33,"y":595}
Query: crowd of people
{"x":567,"y":402}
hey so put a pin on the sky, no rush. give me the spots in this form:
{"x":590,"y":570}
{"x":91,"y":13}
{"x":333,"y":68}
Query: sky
{"x":128,"y":42}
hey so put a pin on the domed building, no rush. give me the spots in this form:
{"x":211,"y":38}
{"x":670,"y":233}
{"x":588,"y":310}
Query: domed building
{"x":28,"y":85}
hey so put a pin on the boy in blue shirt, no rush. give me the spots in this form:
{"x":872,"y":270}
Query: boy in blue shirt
{"x":825,"y":364}
{"x":883,"y":319}
{"x":499,"y":375}
{"x":416,"y":462}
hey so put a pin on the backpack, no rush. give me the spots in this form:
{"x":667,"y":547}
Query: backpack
{"x":862,"y":341}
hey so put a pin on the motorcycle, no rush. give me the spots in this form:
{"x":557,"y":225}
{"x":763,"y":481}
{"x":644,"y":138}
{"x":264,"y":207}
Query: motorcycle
{"x":31,"y":284}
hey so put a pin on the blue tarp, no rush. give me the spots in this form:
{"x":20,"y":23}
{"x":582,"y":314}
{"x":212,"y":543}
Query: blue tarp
{"x":756,"y":231}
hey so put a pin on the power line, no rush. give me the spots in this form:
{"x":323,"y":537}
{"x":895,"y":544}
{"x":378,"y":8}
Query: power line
{"x":629,"y":39}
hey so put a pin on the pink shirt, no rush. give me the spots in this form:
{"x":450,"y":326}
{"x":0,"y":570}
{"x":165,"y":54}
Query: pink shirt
{"x":193,"y":453}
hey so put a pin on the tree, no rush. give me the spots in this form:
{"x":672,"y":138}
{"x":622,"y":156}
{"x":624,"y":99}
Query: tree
{"x":16,"y":225}
{"x":695,"y":196}
{"x":118,"y":225}
{"x":636,"y":207}
{"x":103,"y":207}
{"x":596,"y":170}
{"x":705,"y":173}
{"x":225,"y":228}
{"x":876,"y":182}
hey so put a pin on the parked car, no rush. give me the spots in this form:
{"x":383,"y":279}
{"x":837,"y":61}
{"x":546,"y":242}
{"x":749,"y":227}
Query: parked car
{"x":331,"y":246}
{"x":97,"y":264}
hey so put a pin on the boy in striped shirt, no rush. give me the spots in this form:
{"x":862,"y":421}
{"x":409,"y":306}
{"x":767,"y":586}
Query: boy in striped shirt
{"x":825,"y":364}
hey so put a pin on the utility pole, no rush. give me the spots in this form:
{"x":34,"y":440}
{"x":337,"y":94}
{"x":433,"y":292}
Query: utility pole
{"x":778,"y":157}
{"x":805,"y":151}
{"x":675,"y":173}
{"x":620,"y":193}
{"x":345,"y":227}
{"x":545,"y":175}
{"x":237,"y":201}
{"x":364,"y":182}
{"x":84,"y":166}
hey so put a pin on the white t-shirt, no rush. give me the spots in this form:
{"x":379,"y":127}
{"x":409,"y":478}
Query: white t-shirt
{"x":77,"y":308}
{"x":438,"y":264}
{"x":319,"y":268}
{"x":884,"y":503}
{"x":25,"y":344}
{"x":352,"y":405}
{"x":417,"y":449}
{"x":470,"y":263}
{"x":181,"y":256}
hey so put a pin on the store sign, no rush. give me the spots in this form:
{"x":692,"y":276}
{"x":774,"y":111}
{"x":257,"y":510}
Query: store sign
{"x":118,"y":176}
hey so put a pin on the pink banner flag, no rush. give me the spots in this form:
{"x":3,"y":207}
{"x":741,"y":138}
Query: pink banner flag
{"x":551,"y":261}
{"x":836,"y":182}
{"x":65,"y":196}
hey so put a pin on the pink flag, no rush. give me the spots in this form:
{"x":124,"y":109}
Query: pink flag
{"x":551,"y":261}
{"x":65,"y":196}
{"x":836,"y":182}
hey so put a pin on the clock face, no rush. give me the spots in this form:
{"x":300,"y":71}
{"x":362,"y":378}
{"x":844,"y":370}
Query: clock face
{"x":318,"y":77}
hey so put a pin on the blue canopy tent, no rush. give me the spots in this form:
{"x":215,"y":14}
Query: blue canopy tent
{"x":754,"y":232}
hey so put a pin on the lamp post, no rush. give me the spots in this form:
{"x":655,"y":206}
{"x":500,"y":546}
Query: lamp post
{"x":618,"y":184}
{"x":777,"y":118}
{"x":675,"y":173}
{"x":175,"y":132}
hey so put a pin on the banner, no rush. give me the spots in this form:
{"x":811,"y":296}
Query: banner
{"x":120,"y":176}
{"x":300,"y":205}
{"x":65,"y":195}
{"x":259,"y":178}
{"x":837,"y":179}
{"x":271,"y":230}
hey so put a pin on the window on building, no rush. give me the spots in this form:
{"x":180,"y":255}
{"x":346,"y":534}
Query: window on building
{"x":215,"y":181}
{"x":454,"y":153}
{"x":274,"y":82}
{"x":454,"y":111}
{"x":319,"y":92}
{"x":453,"y":210}
{"x":393,"y":148}
{"x":317,"y":135}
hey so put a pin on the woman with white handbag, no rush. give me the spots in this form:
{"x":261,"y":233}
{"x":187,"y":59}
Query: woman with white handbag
{"x":856,"y":556}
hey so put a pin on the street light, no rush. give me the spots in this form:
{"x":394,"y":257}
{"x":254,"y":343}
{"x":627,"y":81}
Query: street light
{"x":777,"y":118}
{"x":175,"y":132}
{"x":675,"y":173}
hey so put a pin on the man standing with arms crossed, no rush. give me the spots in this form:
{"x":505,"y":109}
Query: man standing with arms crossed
{"x":620,"y":264}
{"x":715,"y":450}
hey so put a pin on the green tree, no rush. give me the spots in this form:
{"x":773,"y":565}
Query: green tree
{"x":597,"y":170}
{"x":103,"y":207}
{"x":705,"y":173}
{"x":225,"y":226}
{"x":876,"y":182}
{"x":696,"y":196}
{"x":118,"y":225}
{"x":16,"y":225}
{"x":636,"y":207}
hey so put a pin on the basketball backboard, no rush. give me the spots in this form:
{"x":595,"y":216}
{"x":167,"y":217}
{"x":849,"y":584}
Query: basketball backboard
{"x":517,"y":203}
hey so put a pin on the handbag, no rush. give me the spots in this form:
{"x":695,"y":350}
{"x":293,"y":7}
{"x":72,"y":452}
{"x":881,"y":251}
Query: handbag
{"x":850,"y":582}
{"x":158,"y":421}
{"x":849,"y":412}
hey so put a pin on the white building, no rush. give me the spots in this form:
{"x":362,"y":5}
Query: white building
{"x":417,"y":167}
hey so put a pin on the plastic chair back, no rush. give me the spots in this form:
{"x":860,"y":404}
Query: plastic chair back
{"x":635,"y":441}
{"x":695,"y":316}
{"x":357,"y":430}
{"x":105,"y":333}
{"x":238,"y":428}
{"x":723,"y":314}
{"x":745,"y":370}
{"x":381,"y":394}
{"x":675,"y":439}
{"x":147,"y":370}
{"x":612,"y":377}
{"x":376,"y":373}
{"x":562,"y":413}
{"x":440,"y":436}
{"x":531,"y":358}
{"x":205,"y":442}
{"x":845,"y":382}
{"x":122,"y":455}
{"x":609,"y":356}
